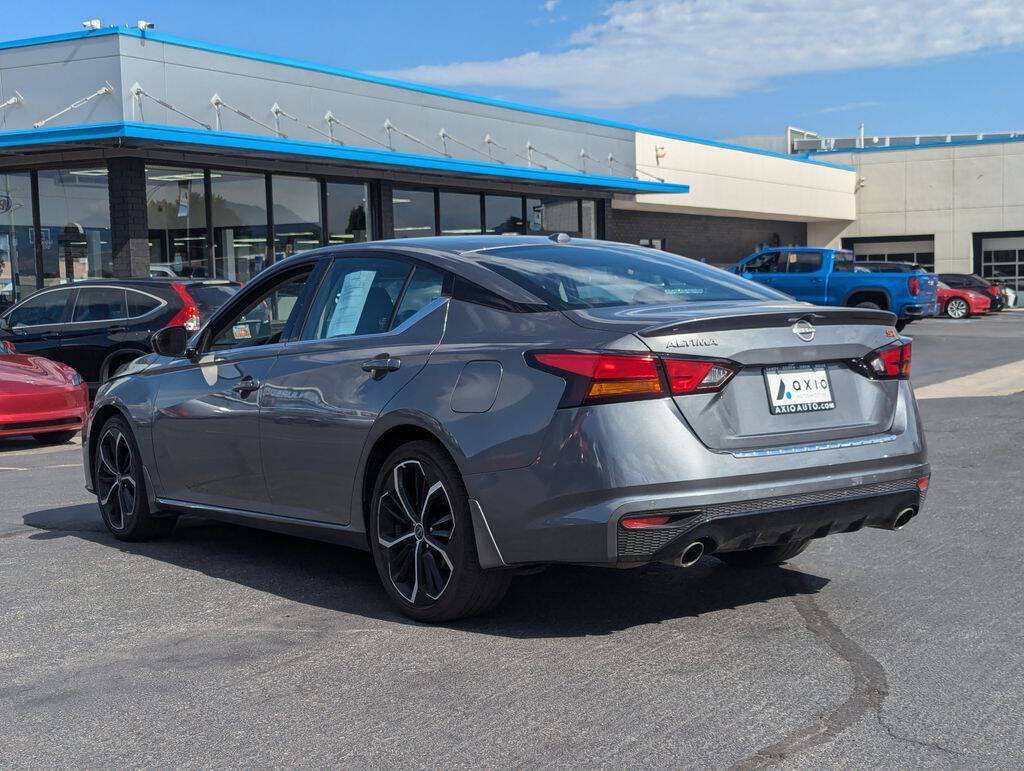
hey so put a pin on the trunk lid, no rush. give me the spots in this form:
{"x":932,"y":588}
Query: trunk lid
{"x":760,"y":337}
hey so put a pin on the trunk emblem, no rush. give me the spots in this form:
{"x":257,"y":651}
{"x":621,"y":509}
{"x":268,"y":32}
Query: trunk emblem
{"x":804,"y":330}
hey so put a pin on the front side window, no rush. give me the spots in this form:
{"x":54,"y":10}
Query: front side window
{"x":99,"y":304}
{"x":263,"y":320}
{"x":46,"y":308}
{"x":569,"y":278}
{"x":769,"y":262}
{"x":358,"y":297}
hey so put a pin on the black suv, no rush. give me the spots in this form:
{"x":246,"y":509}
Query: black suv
{"x":97,"y":326}
{"x":978,"y":284}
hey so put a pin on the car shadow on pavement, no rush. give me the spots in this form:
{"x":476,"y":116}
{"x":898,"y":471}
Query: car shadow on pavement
{"x":563,"y":601}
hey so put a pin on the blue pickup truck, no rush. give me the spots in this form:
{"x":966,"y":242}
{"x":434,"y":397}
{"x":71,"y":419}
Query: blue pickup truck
{"x":830,"y":277}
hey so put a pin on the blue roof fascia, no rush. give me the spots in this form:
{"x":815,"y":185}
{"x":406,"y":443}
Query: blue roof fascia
{"x":223,"y":139}
{"x":384,"y":81}
{"x":923,"y":145}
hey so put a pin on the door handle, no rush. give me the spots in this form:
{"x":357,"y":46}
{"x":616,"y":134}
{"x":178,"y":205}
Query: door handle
{"x":50,"y":335}
{"x":246,"y":386}
{"x":381,"y":365}
{"x":117,"y":328}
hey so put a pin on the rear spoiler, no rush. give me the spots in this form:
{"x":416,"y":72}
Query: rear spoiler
{"x":818,"y":316}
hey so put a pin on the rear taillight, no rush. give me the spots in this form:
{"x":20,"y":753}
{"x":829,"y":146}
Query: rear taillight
{"x":914,"y":285}
{"x":188,"y":316}
{"x":992,"y":290}
{"x":890,"y":363}
{"x":594,"y":378}
{"x":640,"y":523}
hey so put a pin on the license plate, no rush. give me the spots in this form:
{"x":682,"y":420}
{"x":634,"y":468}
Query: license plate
{"x":804,"y":389}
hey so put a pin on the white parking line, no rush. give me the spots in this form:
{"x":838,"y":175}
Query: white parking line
{"x":12,"y":468}
{"x":1004,"y":380}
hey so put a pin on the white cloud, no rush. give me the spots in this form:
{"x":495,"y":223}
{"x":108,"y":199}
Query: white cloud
{"x":849,"y":106}
{"x":644,"y":50}
{"x":549,"y":5}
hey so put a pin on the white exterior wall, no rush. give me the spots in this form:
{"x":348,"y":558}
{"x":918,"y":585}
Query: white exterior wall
{"x":733,"y":182}
{"x":949,"y":192}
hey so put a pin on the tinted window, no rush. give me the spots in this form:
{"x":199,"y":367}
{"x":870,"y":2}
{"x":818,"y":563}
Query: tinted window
{"x":100,"y":304}
{"x":209,"y":297}
{"x":47,"y":308}
{"x":140,"y":304}
{"x":803,"y":262}
{"x":263,"y":320}
{"x":425,"y":286}
{"x":357,"y":298}
{"x":568,"y":277}
{"x":844,"y":263}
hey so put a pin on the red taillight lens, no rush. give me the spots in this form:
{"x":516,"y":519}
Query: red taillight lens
{"x":597,"y":377}
{"x":891,"y":362}
{"x":593,"y":378}
{"x":639,"y":523}
{"x":914,"y":285}
{"x":922,"y":483}
{"x":188,"y":316}
{"x":993,"y":290}
{"x":688,"y":377}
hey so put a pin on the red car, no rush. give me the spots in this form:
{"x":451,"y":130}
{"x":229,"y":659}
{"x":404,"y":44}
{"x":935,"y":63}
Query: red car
{"x":961,"y":303}
{"x":41,"y":398}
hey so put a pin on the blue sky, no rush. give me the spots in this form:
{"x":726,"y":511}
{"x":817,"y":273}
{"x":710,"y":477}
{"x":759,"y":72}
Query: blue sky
{"x":712,"y":68}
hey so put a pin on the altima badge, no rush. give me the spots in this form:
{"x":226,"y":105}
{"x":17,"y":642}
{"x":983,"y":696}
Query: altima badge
{"x":804,"y":330}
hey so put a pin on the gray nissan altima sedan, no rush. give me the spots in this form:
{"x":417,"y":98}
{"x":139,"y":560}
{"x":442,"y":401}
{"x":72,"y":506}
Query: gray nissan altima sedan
{"x":467,"y":408}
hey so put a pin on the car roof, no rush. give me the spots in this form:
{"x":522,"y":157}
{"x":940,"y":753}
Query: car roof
{"x":150,"y":282}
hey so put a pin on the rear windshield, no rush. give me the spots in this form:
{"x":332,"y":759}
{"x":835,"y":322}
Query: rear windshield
{"x":209,"y":297}
{"x":574,"y":277}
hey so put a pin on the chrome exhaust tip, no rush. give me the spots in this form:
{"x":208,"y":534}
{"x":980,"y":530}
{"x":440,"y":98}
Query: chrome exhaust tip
{"x":901,"y":519}
{"x":691,"y":554}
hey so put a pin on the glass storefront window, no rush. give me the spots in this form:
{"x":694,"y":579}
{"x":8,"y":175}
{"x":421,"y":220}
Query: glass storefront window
{"x":74,"y":214}
{"x":503,"y":214}
{"x":176,"y":207}
{"x":17,"y":254}
{"x":239,"y":224}
{"x":414,"y":213}
{"x":460,"y":214}
{"x":553,"y":215}
{"x":297,"y":225}
{"x":347,"y":213}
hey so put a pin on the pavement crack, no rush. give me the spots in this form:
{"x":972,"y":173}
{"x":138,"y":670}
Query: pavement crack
{"x":870,"y":687}
{"x":934,"y":746}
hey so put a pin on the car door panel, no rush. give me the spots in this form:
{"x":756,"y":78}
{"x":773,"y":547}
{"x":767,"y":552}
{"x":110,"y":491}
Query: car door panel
{"x":319,"y":404}
{"x":38,"y":331}
{"x":96,"y":327}
{"x":206,"y":435}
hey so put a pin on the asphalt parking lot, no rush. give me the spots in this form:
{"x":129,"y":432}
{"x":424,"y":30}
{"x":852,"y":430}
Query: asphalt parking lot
{"x":224,"y":646}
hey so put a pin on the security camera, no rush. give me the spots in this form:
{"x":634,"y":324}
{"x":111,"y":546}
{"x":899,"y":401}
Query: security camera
{"x":92,"y":24}
{"x":143,"y":25}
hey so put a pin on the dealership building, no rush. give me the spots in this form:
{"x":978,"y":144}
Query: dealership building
{"x":124,"y":152}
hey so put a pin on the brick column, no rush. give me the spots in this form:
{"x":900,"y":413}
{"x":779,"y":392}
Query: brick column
{"x":129,"y":228}
{"x":385,"y":210}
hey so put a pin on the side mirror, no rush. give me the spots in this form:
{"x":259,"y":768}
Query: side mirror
{"x":170,"y":341}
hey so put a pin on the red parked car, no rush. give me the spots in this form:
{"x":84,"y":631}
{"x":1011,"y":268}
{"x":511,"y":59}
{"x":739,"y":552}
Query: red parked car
{"x":961,"y":303}
{"x":40,"y":398}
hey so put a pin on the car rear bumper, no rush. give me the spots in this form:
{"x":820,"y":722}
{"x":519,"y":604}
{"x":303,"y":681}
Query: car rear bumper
{"x":601,"y":465}
{"x":921,"y":311}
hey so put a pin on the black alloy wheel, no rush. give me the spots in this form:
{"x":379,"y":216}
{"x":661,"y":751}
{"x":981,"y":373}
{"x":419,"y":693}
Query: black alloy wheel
{"x":422,"y":538}
{"x":121,"y":488}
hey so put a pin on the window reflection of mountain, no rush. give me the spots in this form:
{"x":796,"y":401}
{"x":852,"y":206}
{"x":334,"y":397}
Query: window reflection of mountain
{"x":289,"y":403}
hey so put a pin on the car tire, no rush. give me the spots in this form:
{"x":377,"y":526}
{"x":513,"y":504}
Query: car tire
{"x":121,"y":486}
{"x":957,"y":309}
{"x":869,"y":304}
{"x":421,"y":537}
{"x":901,"y":324}
{"x":763,"y":556}
{"x":55,"y":437}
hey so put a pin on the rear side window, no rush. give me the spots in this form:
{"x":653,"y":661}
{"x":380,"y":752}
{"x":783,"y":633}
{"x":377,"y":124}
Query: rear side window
{"x":803,"y":262}
{"x":424,"y":287}
{"x":46,"y":308}
{"x":574,"y":277}
{"x":99,"y":304}
{"x":140,"y":304}
{"x":358,"y":297}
